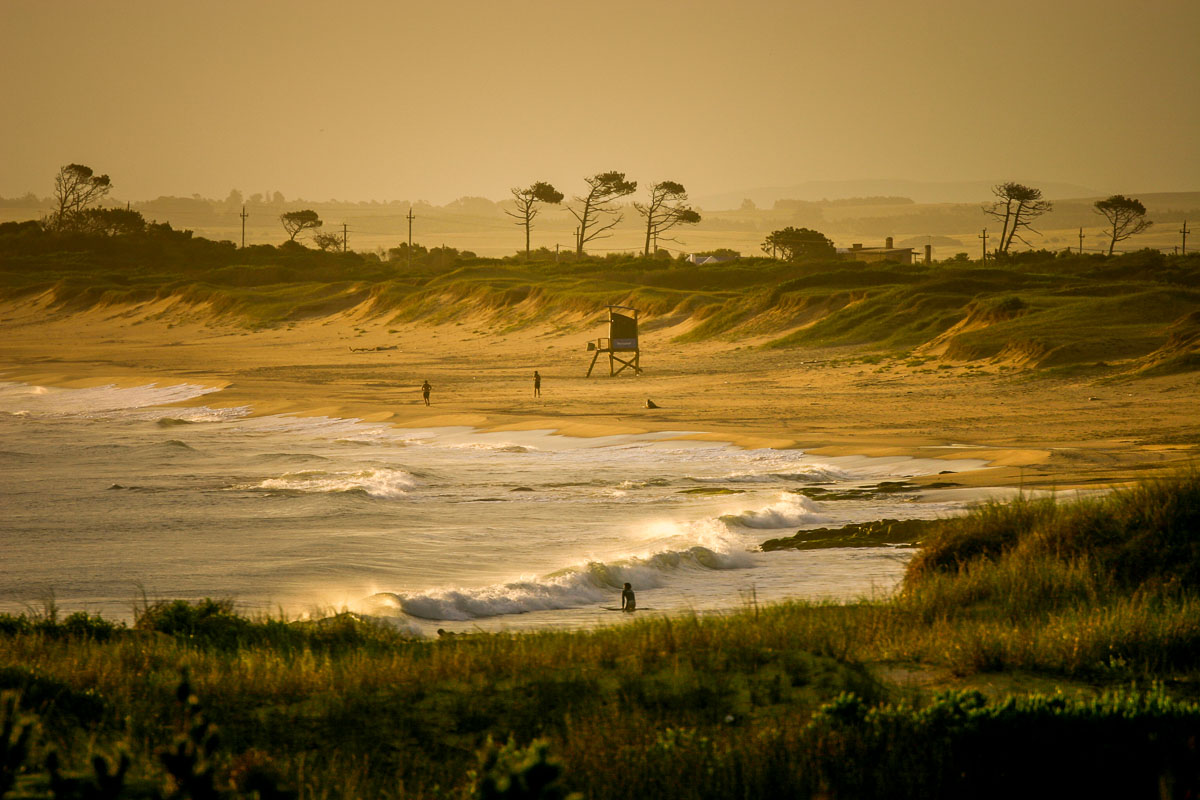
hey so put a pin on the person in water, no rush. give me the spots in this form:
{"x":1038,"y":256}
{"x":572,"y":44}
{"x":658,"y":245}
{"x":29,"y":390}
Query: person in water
{"x":628,"y":602}
{"x":425,"y":390}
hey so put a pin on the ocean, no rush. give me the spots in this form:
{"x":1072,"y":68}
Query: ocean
{"x":111,"y":497}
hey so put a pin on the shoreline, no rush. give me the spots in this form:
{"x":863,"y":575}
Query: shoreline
{"x":1034,"y":431}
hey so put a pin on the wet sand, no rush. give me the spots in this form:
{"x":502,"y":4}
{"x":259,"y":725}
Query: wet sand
{"x":1035,"y":431}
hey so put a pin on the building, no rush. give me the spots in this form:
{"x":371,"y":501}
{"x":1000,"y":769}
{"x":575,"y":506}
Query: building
{"x":856,"y":252}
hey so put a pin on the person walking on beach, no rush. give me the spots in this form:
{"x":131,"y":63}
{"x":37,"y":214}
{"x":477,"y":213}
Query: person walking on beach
{"x":425,"y":390}
{"x":537,"y":384}
{"x":628,"y":602}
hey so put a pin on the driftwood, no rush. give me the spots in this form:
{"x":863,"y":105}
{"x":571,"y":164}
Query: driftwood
{"x":374,"y":349}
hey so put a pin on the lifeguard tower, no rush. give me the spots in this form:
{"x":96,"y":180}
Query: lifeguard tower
{"x":622,"y":338}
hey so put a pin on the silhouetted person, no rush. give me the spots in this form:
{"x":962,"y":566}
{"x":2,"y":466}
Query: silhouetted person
{"x":425,"y":390}
{"x":628,"y":602}
{"x":537,"y":384}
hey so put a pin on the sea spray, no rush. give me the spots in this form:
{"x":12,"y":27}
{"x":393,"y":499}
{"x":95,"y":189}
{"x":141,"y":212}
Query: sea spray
{"x":789,"y":511}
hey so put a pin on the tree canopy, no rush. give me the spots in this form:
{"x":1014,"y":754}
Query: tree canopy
{"x":527,"y":200}
{"x":596,"y":206}
{"x":75,"y":188}
{"x":296,"y":221}
{"x":1017,"y":206}
{"x":1126,"y":217}
{"x":799,"y":244}
{"x":666,"y":209}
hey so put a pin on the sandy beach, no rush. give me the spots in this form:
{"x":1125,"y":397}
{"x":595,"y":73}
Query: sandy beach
{"x":1035,"y":431}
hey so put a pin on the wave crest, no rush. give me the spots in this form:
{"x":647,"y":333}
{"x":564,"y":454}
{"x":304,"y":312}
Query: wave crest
{"x":790,"y":511}
{"x":588,"y":584}
{"x":381,"y":482}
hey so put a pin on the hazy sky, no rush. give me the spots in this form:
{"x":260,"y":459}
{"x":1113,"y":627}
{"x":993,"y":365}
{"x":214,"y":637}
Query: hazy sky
{"x":442,"y":98}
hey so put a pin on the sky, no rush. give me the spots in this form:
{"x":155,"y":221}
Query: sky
{"x":439,"y":99}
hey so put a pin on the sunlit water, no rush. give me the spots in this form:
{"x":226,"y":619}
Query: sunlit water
{"x":109,"y":493}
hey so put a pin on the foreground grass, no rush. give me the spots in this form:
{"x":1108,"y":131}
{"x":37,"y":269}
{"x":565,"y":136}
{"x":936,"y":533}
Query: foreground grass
{"x":1097,"y":596}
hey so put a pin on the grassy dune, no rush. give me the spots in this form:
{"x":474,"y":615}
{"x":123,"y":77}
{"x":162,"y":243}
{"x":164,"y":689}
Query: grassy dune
{"x":1134,"y":313}
{"x":1096,"y":596}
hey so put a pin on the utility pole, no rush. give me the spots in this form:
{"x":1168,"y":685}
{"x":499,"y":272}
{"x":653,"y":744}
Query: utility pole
{"x":410,"y":219}
{"x":1081,"y":241}
{"x":556,"y":246}
{"x":344,"y":237}
{"x":984,"y":237}
{"x":244,"y":215}
{"x":1184,"y":231}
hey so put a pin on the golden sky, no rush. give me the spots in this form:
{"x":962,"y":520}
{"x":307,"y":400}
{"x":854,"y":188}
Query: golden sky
{"x":437,"y":99}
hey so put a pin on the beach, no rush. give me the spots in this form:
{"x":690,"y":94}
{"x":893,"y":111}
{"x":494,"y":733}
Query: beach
{"x":1034,"y":430}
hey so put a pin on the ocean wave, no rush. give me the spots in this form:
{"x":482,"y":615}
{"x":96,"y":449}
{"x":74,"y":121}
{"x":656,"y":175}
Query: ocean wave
{"x":588,"y":584}
{"x":494,"y":447}
{"x":382,"y":482}
{"x":790,"y":511}
{"x":109,"y":400}
{"x":796,"y":474}
{"x":644,"y":484}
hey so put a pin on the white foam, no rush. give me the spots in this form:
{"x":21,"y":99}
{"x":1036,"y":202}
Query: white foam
{"x":109,"y":400}
{"x":584,"y":585}
{"x":789,"y":511}
{"x":379,"y":482}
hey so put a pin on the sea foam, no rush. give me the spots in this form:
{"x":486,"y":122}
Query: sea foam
{"x":380,"y":482}
{"x":587,"y":584}
{"x":790,"y":511}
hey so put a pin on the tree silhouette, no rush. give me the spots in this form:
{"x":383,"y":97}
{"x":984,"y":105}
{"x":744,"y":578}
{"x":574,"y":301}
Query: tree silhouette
{"x":797,"y":244}
{"x":328,"y":241}
{"x":1018,"y":206}
{"x":666,"y":209}
{"x":296,"y":221}
{"x":527,"y":200}
{"x":1126,"y":215}
{"x":597,"y":205}
{"x":75,"y":188}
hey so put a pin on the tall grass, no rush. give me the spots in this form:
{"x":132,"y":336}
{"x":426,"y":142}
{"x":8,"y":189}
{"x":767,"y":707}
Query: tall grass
{"x":773,"y":700}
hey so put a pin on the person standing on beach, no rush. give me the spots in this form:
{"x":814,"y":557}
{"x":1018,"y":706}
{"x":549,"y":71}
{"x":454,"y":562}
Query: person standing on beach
{"x":537,"y":384}
{"x":425,"y":390}
{"x":628,"y":602}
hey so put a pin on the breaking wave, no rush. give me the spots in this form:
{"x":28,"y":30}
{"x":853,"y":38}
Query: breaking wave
{"x":796,"y":474}
{"x":381,"y":482}
{"x":790,"y":511}
{"x":588,"y":584}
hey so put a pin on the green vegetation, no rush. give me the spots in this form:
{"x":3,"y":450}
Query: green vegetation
{"x":1096,"y":597}
{"x":1132,"y":314}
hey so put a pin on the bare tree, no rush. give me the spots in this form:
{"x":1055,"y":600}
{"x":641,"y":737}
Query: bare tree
{"x":527,"y":200}
{"x":666,"y":209}
{"x":296,"y":221}
{"x":75,"y":188}
{"x":1126,"y":215}
{"x":1017,"y":206}
{"x":596,"y":207}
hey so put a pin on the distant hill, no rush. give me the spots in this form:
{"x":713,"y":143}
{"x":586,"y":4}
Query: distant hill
{"x":920,"y":191}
